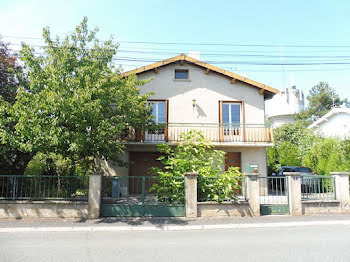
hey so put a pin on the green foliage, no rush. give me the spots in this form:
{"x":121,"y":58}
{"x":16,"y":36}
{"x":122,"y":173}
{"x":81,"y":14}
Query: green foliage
{"x":295,"y":145}
{"x":327,"y":156}
{"x":75,"y":104}
{"x":292,"y":141}
{"x":195,"y":154}
{"x":54,"y":164}
{"x":321,"y":99}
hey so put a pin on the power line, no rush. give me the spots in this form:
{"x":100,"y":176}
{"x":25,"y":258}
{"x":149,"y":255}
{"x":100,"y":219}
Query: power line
{"x":214,"y":54}
{"x":203,"y":44}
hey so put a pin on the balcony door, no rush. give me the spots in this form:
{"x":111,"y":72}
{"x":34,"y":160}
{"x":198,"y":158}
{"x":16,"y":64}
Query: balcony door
{"x":231,"y":117}
{"x":159,"y":110}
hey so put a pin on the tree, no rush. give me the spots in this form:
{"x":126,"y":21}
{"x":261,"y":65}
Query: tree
{"x":12,"y":160}
{"x":195,"y":154}
{"x":75,"y":103}
{"x":8,"y":66}
{"x":326,"y":156}
{"x":292,"y":142}
{"x":321,"y":99}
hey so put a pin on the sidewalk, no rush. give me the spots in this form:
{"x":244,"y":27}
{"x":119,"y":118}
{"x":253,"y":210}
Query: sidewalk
{"x":165,"y":224}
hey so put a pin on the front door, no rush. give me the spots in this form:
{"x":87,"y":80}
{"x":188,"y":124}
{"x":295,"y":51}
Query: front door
{"x":233,"y":159}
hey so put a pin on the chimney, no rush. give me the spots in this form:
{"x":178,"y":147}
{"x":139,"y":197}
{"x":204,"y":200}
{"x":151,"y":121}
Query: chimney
{"x":195,"y":54}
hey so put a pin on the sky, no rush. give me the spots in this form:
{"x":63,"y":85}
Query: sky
{"x":268,"y":41}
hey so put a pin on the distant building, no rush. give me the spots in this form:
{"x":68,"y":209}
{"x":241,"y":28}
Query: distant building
{"x":281,"y":108}
{"x":336,"y":123}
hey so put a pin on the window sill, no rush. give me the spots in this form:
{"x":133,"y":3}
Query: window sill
{"x":181,"y":80}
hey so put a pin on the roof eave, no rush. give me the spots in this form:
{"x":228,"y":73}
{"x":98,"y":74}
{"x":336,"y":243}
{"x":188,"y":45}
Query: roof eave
{"x":269,"y":90}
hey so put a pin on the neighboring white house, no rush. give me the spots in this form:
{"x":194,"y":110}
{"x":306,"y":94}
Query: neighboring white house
{"x":191,"y":94}
{"x":281,"y":108}
{"x":336,"y":123}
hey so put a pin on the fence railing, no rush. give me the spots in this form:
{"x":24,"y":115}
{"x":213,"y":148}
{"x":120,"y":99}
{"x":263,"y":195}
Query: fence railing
{"x":215,"y":189}
{"x":318,"y":188}
{"x":213,"y":132}
{"x":25,"y":187}
{"x":137,"y":190}
{"x":273,"y":190}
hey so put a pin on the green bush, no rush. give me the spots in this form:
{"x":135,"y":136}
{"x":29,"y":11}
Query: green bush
{"x":195,"y":154}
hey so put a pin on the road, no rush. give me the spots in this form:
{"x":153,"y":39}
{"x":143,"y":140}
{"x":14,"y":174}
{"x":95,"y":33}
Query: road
{"x":306,"y":243}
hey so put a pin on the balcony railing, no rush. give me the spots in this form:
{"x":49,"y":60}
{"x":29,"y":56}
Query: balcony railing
{"x":171,"y":132}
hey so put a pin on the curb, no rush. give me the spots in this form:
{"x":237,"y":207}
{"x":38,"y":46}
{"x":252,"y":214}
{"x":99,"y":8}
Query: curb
{"x":172,"y":228}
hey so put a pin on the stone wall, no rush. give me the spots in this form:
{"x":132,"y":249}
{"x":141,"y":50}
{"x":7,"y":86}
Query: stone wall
{"x":321,"y":207}
{"x":225,"y":209}
{"x":43,"y":209}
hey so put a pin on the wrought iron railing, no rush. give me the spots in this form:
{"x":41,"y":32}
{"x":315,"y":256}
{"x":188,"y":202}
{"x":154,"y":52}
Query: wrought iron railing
{"x":318,"y":188}
{"x":138,"y":190}
{"x":25,"y":187}
{"x":213,"y":132}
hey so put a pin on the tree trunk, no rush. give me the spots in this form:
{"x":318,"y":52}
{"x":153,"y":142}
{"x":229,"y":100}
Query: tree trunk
{"x":13,"y":163}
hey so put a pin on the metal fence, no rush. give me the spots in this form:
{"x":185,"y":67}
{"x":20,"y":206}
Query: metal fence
{"x":318,"y":188}
{"x":273,"y":190}
{"x":142,"y":189}
{"x":25,"y":187}
{"x":216,"y":189}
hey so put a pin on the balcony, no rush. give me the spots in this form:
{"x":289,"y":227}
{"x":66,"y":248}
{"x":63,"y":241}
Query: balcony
{"x":217,"y":133}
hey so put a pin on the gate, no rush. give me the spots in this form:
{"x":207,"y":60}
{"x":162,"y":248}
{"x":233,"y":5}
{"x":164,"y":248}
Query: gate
{"x":273,"y":195}
{"x":133,"y":196}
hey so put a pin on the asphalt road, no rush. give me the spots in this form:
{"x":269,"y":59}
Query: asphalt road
{"x":309,"y":243}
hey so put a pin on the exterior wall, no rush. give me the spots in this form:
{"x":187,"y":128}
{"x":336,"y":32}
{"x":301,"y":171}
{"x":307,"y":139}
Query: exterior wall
{"x":321,"y":207}
{"x":43,"y":209}
{"x":284,"y":105}
{"x":213,"y":209}
{"x":249,"y":155}
{"x":277,"y":121}
{"x":207,"y":90}
{"x":112,"y":169}
{"x":338,"y":125}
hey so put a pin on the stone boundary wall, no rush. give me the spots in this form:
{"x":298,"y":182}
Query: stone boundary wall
{"x":43,"y":209}
{"x":321,"y":207}
{"x":224,"y":209}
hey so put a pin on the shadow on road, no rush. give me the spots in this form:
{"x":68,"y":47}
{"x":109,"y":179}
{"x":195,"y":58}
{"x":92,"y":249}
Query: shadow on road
{"x":136,"y":221}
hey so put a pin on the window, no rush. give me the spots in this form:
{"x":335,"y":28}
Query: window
{"x":158,"y":110}
{"x":181,"y":73}
{"x":231,"y":114}
{"x":231,"y":118}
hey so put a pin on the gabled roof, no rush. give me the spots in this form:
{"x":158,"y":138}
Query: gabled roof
{"x":330,"y":114}
{"x":210,"y":67}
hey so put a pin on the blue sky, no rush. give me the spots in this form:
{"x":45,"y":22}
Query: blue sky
{"x":276,"y":23}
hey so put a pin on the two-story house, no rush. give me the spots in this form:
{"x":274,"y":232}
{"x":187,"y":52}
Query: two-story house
{"x":190,"y":94}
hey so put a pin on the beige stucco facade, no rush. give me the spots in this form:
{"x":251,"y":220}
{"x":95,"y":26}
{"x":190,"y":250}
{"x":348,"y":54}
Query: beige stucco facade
{"x":207,"y":88}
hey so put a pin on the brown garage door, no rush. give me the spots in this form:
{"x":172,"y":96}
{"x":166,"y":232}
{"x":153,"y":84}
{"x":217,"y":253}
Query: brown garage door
{"x":142,"y":162}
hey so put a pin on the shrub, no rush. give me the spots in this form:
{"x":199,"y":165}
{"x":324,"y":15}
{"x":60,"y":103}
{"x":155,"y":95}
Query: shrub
{"x":195,"y":154}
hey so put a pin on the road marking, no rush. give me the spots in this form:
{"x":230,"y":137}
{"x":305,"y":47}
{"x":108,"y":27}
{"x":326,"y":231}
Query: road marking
{"x":172,"y":228}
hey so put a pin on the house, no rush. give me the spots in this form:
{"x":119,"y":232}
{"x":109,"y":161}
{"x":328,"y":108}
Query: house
{"x":282,"y":107}
{"x":190,"y":94}
{"x":336,"y":123}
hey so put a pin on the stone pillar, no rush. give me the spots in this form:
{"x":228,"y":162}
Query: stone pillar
{"x":253,"y":193}
{"x":294,"y":193}
{"x":95,"y":196}
{"x":191,"y":194}
{"x":342,"y":189}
